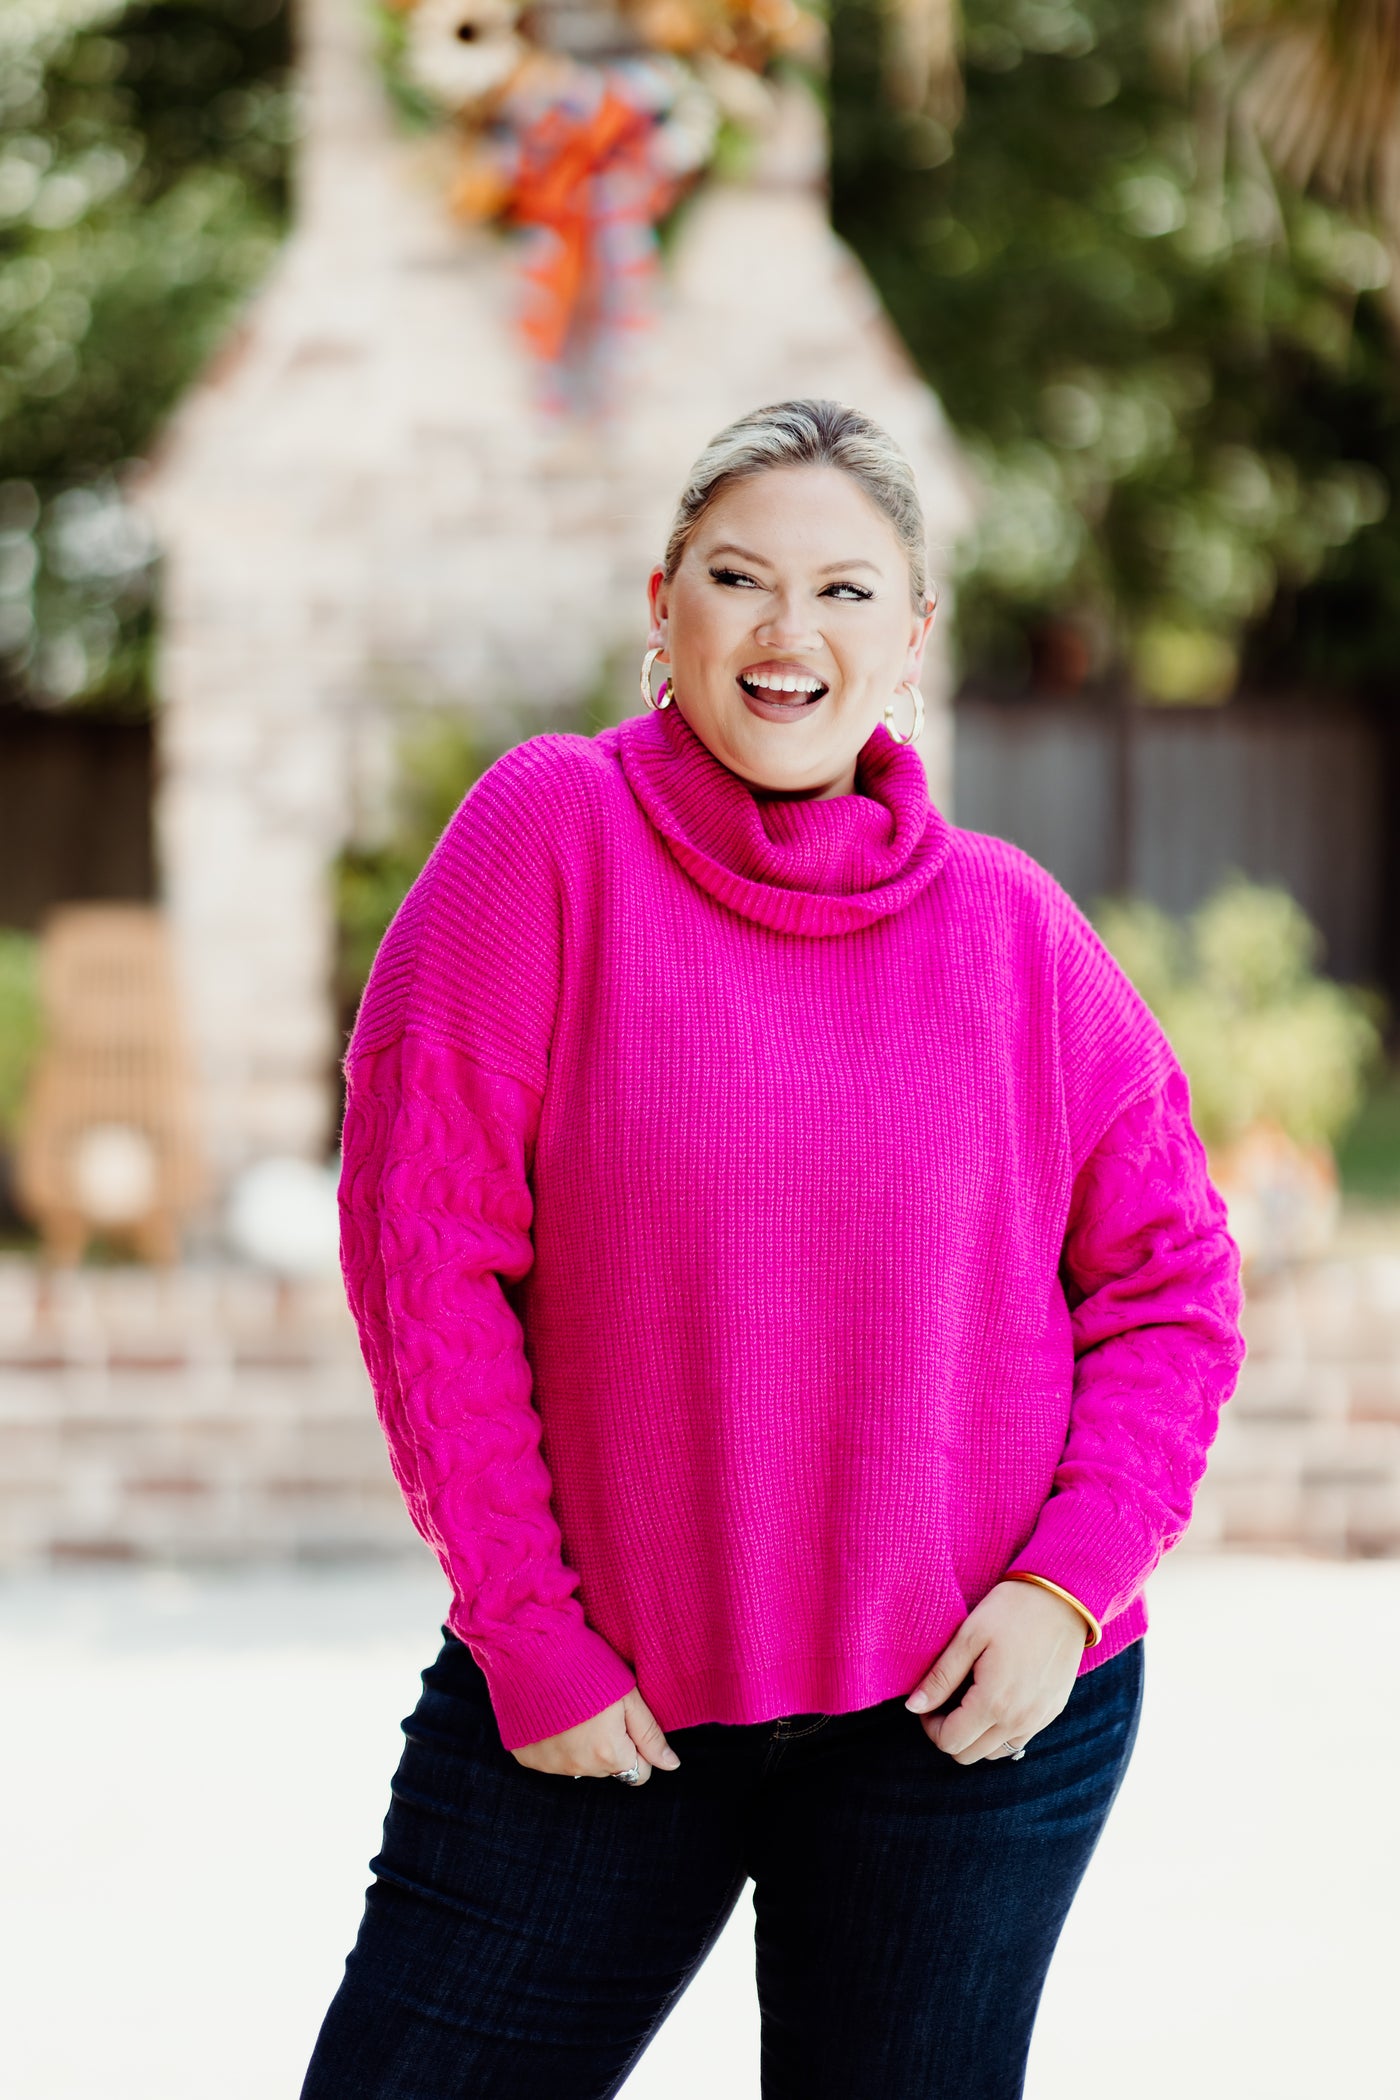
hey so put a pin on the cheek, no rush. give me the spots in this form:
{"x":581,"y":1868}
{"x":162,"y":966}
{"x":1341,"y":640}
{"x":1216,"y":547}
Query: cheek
{"x":872,"y":652}
{"x":709,"y":623}
{"x":886,"y":647}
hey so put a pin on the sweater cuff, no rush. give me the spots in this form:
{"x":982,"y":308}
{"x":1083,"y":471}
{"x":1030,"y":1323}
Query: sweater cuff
{"x":1078,"y":1547}
{"x":542,"y":1682}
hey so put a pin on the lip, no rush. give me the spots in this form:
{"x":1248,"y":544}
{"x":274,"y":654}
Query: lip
{"x":780,"y":707}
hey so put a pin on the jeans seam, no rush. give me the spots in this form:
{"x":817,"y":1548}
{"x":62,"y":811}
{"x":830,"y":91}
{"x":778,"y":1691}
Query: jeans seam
{"x":795,"y":1735}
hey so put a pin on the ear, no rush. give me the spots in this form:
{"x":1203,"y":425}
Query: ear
{"x":920,"y":627}
{"x":658,"y":600}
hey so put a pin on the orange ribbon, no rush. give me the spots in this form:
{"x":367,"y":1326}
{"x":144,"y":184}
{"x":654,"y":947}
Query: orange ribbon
{"x":561,"y":155}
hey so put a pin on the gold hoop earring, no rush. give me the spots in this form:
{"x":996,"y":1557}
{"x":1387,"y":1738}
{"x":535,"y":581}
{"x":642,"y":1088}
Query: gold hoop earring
{"x":918,"y":700}
{"x":663,"y":697}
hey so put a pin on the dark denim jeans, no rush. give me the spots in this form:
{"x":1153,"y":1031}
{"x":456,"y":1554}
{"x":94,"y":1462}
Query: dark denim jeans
{"x":527,"y":1933}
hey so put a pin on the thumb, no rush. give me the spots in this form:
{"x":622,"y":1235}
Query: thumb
{"x":947,"y":1673}
{"x":645,"y":1731}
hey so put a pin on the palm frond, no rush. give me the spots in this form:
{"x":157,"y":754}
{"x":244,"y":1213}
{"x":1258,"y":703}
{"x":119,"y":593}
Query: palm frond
{"x":1318,"y":84}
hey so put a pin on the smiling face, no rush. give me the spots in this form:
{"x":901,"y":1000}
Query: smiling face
{"x":787,"y":627}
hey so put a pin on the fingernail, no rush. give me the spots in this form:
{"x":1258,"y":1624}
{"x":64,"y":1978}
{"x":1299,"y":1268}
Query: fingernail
{"x":669,"y":1760}
{"x":917,"y":1702}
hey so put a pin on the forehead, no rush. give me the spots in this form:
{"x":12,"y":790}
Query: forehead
{"x":801,"y":514}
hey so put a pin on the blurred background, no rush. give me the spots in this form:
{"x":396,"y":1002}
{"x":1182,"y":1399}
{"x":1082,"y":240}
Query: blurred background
{"x":351,"y":355}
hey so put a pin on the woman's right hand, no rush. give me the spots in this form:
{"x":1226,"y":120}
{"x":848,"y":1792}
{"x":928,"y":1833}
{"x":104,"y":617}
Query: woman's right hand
{"x":612,"y":1741}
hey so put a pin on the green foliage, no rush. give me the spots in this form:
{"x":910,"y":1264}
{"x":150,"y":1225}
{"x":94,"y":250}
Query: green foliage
{"x":143,"y":189}
{"x":1260,"y":1035}
{"x":437,"y":763}
{"x":417,"y":110}
{"x":1175,"y":382}
{"x":19,"y":1022}
{"x":1369,"y":1155}
{"x":1177,"y":385}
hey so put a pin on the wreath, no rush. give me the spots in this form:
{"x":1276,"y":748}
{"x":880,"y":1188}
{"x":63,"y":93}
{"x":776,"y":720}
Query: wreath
{"x":582,"y":129}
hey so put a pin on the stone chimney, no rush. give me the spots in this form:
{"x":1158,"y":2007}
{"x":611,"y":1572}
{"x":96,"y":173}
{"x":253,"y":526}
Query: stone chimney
{"x":362,"y":509}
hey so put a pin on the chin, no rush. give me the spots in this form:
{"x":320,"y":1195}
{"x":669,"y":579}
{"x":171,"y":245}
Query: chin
{"x":818,"y":776}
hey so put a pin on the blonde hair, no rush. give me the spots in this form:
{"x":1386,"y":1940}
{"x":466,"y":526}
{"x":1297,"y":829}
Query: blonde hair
{"x":808,"y":434}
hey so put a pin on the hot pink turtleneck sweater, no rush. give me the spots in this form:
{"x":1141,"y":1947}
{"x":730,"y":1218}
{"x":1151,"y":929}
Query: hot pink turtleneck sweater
{"x":768,"y":1223}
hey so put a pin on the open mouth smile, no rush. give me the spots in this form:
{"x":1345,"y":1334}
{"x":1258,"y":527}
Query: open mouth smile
{"x":782,"y":688}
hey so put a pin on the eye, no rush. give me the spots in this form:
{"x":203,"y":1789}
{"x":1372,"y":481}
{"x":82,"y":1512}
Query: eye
{"x":855,"y":591}
{"x":734,"y":579}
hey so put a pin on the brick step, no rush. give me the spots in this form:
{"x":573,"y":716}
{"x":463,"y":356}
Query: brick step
{"x":200,"y":1415}
{"x":214,"y":1414}
{"x":1308,"y":1453}
{"x":144,"y":1318}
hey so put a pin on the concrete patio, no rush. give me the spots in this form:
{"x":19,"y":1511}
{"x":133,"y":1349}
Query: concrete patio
{"x":195,"y":1767}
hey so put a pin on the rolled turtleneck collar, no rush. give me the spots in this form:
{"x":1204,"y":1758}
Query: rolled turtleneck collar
{"x":811,"y":866}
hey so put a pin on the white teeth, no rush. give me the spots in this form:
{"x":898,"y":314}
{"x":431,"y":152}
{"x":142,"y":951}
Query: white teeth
{"x":787,"y":684}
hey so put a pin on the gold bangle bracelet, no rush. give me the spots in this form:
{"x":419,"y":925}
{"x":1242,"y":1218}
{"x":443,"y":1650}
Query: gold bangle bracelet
{"x":1043,"y":1582}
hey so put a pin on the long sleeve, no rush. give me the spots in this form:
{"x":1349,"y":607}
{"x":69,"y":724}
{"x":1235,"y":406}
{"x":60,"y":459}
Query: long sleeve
{"x":1151,"y":1278}
{"x":445,"y":1077}
{"x":436,"y":1211}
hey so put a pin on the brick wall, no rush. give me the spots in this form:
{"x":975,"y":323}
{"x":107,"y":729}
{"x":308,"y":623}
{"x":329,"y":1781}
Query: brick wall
{"x":211,"y":1414}
{"x":201,"y":1415}
{"x":1309,"y":1448}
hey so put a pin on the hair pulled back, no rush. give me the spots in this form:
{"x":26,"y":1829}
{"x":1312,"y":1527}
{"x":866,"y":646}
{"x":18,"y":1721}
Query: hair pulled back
{"x":808,"y":433}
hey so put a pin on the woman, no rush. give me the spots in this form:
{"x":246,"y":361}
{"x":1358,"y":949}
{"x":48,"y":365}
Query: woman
{"x":799,"y":1314}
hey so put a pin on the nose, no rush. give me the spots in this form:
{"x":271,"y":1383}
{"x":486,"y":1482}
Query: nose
{"x":787,"y":625}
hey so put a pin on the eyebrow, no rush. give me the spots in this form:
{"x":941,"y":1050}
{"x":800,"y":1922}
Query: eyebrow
{"x":830,"y":568}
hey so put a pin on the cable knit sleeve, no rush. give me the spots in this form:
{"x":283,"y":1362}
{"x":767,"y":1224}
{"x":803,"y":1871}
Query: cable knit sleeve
{"x":445,"y":1078}
{"x":1152,"y":1280}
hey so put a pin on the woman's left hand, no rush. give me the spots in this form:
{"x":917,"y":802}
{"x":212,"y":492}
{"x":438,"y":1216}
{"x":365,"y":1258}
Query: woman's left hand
{"x":1024,"y":1645}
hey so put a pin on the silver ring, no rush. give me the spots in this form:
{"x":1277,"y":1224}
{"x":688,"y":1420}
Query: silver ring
{"x":1015,"y":1753}
{"x":632,"y":1776}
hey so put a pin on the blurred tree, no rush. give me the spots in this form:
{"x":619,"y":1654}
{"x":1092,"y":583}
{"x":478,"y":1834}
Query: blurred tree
{"x":1177,"y":380}
{"x":1318,"y":84}
{"x":143,"y":189}
{"x":1261,"y":1035}
{"x":437,"y":761}
{"x":1173,"y":374}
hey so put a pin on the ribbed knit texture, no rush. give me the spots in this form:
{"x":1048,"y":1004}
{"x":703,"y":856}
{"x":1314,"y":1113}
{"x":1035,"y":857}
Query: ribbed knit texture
{"x":768,"y":1222}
